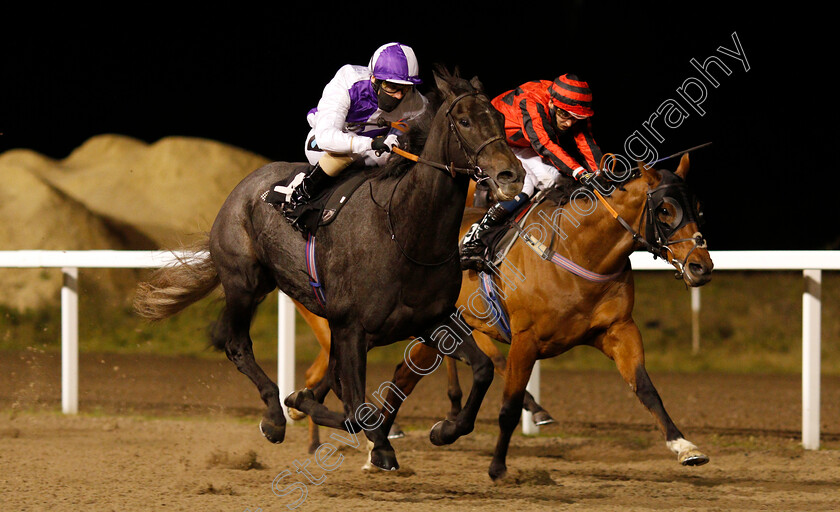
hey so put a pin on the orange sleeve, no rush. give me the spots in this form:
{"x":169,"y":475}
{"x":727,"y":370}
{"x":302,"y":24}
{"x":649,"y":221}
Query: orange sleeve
{"x":588,"y":147}
{"x":540,"y":133}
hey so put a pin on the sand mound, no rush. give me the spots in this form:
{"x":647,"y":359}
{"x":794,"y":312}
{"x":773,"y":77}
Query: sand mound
{"x":113,"y":192}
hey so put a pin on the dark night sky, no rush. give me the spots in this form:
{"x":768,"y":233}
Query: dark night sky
{"x":248,"y":78}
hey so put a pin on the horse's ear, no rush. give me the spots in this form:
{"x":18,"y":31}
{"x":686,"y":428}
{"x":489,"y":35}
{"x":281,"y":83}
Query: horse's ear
{"x":477,"y":85}
{"x":682,"y":169}
{"x":442,"y":83}
{"x":651,"y":175}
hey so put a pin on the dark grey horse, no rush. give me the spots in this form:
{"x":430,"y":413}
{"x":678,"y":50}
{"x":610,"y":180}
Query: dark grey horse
{"x":388,"y":264}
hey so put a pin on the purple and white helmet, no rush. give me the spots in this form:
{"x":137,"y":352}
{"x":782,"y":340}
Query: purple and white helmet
{"x":395,"y":62}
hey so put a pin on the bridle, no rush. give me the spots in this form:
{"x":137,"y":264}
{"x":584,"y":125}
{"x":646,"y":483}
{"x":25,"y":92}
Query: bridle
{"x":473,"y":171}
{"x":657,"y":234}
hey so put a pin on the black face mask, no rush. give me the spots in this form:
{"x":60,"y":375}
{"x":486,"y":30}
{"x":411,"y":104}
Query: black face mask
{"x":385,"y":101}
{"x":672,"y":191}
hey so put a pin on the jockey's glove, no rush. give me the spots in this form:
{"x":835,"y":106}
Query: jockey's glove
{"x":384,"y":143}
{"x":586,"y":177}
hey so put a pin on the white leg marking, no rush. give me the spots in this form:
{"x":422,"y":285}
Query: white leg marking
{"x":680,"y":445}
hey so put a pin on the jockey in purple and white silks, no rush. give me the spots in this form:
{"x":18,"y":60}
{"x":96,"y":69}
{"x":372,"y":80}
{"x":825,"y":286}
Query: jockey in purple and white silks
{"x":385,"y":89}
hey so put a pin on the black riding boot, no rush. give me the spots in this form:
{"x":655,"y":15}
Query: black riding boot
{"x":308,"y":188}
{"x":472,"y":248}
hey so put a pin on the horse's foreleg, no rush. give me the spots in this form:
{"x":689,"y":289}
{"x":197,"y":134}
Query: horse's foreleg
{"x":311,"y":401}
{"x":623,"y":344}
{"x":520,"y":362}
{"x":319,"y":392}
{"x":349,"y":349}
{"x":314,"y":379}
{"x":465,"y":349}
{"x":314,"y":374}
{"x":540,"y":415}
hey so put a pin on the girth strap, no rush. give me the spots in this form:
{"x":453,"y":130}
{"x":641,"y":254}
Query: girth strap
{"x":312,"y":270}
{"x":549,"y":254}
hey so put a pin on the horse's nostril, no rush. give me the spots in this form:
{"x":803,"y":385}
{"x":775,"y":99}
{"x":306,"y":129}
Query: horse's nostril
{"x":505,"y":177}
{"x":698,"y":269}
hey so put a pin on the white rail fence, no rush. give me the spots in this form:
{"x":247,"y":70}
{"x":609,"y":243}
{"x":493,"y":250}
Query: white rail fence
{"x":811,"y":263}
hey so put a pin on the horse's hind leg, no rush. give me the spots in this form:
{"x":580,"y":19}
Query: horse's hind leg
{"x":539,"y":415}
{"x":242,"y":294}
{"x":465,"y":349}
{"x":623,"y":344}
{"x":454,"y":389}
{"x":419,"y":361}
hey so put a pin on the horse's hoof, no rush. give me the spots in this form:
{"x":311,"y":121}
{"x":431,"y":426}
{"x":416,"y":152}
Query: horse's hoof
{"x":693,"y":458}
{"x":313,"y":447}
{"x":443,"y":432}
{"x":384,"y":459}
{"x":295,"y":414}
{"x":296,"y":398}
{"x":497,"y":471}
{"x":395,"y":432}
{"x":273,"y":432}
{"x":542,"y":418}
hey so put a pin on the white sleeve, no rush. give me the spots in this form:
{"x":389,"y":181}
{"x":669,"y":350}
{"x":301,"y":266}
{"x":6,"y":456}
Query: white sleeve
{"x":331,"y":116}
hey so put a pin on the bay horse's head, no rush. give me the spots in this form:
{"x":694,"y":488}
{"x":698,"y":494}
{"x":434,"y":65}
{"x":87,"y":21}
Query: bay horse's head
{"x":476,"y":139}
{"x":671,"y":223}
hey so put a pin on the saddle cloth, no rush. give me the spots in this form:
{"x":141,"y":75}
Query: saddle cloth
{"x":322,"y":209}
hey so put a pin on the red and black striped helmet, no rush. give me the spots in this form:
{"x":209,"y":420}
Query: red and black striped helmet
{"x":572,"y":95}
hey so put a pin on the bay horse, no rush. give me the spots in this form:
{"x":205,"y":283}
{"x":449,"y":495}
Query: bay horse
{"x":387,"y":266}
{"x":552,"y":309}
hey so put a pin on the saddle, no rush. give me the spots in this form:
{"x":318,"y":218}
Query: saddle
{"x":499,"y":239}
{"x":322,"y":209}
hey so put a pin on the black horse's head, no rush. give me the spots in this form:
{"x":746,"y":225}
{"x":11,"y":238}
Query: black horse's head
{"x":476,"y":139}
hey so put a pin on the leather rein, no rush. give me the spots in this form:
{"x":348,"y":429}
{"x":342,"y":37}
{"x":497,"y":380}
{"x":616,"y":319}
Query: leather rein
{"x":655,"y":242}
{"x":475,"y":172}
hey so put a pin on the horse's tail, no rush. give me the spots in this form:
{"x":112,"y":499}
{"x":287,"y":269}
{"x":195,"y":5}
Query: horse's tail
{"x":171,"y":289}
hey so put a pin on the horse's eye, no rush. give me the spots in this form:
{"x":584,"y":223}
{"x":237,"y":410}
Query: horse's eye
{"x":464,"y":122}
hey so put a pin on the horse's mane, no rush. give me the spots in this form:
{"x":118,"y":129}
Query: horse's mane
{"x":562,"y":191}
{"x":411,"y":141}
{"x":414,"y":140}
